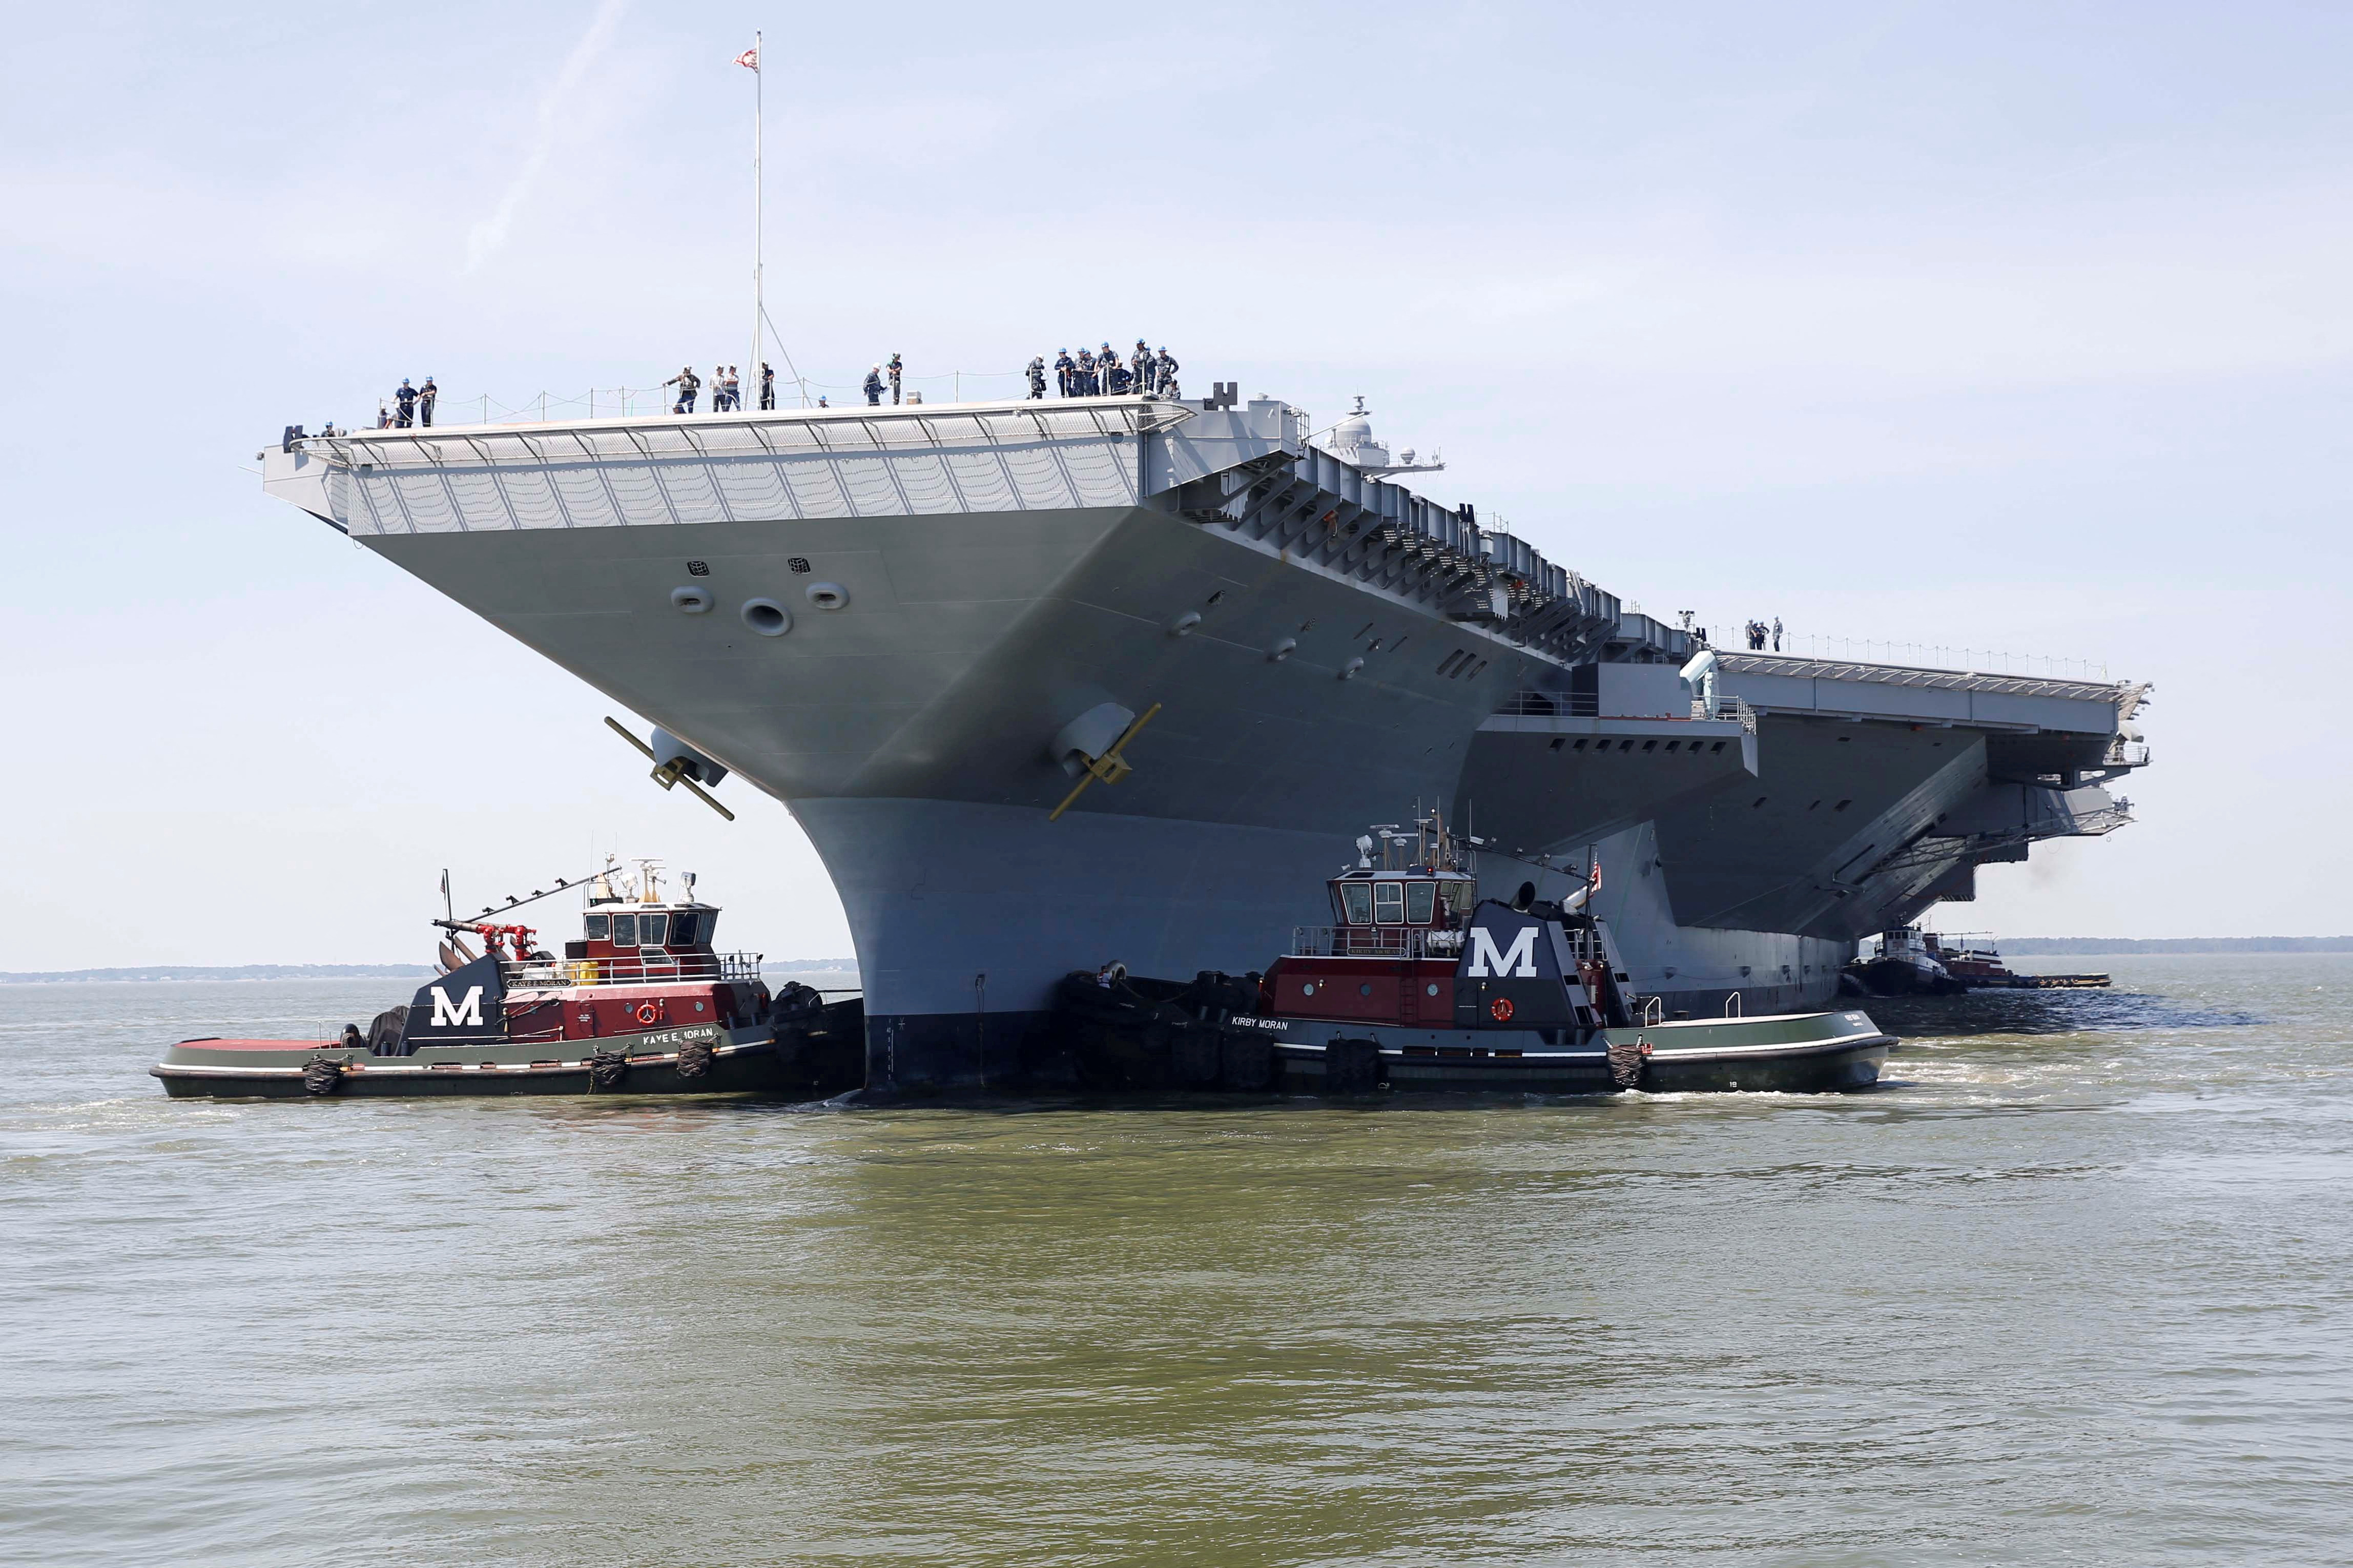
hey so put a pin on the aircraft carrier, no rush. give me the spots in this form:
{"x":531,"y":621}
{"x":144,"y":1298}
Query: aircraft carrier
{"x":923,"y":627}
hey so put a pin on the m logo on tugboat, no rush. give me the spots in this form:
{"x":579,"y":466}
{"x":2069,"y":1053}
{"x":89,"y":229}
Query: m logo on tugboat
{"x":1511,"y":974}
{"x":1518,"y":960}
{"x":463,"y":1015}
{"x":465,"y":1006}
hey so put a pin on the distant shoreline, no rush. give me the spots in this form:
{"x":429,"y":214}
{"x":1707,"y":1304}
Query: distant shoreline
{"x":2031,"y":946}
{"x":2014,"y":947}
{"x":142,"y":973}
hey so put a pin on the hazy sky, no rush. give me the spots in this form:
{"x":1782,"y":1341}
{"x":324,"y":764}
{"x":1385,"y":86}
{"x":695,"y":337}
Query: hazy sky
{"x":2014,"y":327}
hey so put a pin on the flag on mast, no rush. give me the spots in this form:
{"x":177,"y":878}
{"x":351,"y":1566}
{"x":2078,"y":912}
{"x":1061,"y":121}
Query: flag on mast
{"x":749,"y":58}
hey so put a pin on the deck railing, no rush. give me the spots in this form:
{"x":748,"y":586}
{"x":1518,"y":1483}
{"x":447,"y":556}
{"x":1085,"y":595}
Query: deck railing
{"x":1727,"y":708}
{"x":1374,"y":942}
{"x":638,"y":969}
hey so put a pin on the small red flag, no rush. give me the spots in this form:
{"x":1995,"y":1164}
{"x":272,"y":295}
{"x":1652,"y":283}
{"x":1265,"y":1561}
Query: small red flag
{"x":749,"y":58}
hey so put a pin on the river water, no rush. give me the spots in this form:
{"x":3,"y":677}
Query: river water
{"x":2074,"y":1289}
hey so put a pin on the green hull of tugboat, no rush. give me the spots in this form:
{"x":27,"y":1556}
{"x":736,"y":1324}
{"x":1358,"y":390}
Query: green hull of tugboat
{"x":814,"y":1062}
{"x":1797,"y":1052}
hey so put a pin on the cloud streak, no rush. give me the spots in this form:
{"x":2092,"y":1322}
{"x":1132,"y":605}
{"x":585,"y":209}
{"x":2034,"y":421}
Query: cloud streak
{"x":489,"y":235}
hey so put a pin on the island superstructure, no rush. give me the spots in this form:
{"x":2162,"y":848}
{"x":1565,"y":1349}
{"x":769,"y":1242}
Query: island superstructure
{"x":924,"y":628}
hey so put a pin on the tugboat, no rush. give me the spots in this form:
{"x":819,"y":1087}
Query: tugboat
{"x":640,"y":1003}
{"x":1911,"y":962}
{"x":1421,"y":983}
{"x":1908,"y":962}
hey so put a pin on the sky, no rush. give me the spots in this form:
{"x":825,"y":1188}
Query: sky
{"x":1999,"y":327}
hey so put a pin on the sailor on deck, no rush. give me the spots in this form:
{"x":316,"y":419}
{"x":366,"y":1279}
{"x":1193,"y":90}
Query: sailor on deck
{"x":1163,"y":373}
{"x":688,"y":385}
{"x":426,"y":395}
{"x":1140,"y":362}
{"x":895,"y":370}
{"x":767,"y":386}
{"x":873,"y":388}
{"x":1037,"y":378}
{"x":1066,"y":373}
{"x":403,"y":399}
{"x":1086,"y":373}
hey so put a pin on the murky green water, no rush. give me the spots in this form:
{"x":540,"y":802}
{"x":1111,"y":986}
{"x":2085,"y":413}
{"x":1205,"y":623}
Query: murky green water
{"x":2075,"y":1290}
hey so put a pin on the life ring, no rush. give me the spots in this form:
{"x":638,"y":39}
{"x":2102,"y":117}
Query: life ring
{"x":648,"y":1013}
{"x":1500,"y":1009}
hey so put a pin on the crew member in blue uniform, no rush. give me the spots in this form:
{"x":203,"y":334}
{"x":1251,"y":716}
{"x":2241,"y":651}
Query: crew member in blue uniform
{"x":688,"y":385}
{"x":767,"y":386}
{"x":1066,"y":373}
{"x":1140,"y":362}
{"x":1163,"y":372}
{"x":895,"y":369}
{"x":426,"y":395}
{"x":1086,"y":373}
{"x":874,"y":386}
{"x":1116,"y":380}
{"x":403,"y":399}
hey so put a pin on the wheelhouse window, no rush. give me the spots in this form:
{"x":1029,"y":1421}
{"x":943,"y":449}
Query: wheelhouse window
{"x":1389,"y":903}
{"x":683,"y":928}
{"x":625,"y":930}
{"x":1357,"y":897}
{"x":1462,"y":897}
{"x":1421,"y":901}
{"x":598,"y":928}
{"x":653,"y":929}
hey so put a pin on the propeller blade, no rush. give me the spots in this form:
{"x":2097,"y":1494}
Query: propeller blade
{"x":1085,"y":780}
{"x":619,"y":729}
{"x":703,"y":795}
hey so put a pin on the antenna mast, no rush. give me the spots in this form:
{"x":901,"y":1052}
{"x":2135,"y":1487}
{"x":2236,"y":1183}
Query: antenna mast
{"x":759,"y":222}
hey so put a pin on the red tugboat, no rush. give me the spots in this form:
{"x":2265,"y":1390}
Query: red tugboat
{"x":641,"y":1003}
{"x":1420,"y":983}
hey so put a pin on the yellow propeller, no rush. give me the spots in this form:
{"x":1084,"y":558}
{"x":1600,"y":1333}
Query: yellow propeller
{"x":1111,"y":767}
{"x":672,"y":772}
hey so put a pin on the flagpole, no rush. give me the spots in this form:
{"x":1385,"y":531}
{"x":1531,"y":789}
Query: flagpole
{"x":759,"y":217}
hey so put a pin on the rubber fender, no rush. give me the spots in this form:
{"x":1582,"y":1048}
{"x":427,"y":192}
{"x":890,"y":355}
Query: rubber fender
{"x":1351,"y":1066}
